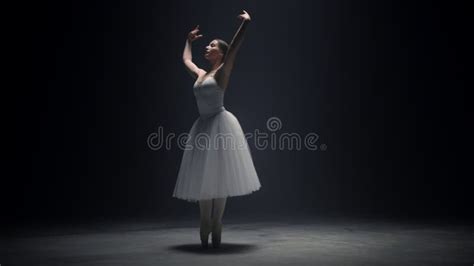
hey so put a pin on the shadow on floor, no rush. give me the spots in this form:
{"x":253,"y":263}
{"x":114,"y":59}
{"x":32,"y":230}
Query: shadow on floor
{"x":225,"y":248}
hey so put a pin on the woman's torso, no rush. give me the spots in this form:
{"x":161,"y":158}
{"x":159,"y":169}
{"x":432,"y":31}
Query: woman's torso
{"x":209,"y":96}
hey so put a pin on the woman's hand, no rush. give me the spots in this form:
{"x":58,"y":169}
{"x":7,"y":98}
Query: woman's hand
{"x":244,"y":16}
{"x":192,"y":36}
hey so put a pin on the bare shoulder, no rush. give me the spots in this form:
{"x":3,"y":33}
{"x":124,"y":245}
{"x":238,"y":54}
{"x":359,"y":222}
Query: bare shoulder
{"x":201,"y":74}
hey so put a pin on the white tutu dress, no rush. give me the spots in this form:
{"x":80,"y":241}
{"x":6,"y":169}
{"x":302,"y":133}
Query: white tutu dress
{"x":216,"y":161}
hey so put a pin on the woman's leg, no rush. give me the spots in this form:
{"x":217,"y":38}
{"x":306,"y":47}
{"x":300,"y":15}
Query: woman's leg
{"x":205,"y":207}
{"x":218,"y":212}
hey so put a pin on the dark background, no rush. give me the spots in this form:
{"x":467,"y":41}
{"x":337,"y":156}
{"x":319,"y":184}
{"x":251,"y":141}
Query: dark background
{"x":383,"y":83}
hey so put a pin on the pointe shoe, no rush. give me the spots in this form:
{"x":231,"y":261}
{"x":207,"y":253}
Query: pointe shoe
{"x":204,"y":233}
{"x":216,"y":234}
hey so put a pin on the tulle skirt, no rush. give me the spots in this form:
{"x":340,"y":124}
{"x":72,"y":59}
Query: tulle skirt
{"x":217,"y":161}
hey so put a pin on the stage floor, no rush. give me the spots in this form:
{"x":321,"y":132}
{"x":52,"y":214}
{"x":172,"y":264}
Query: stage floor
{"x":297,"y":240}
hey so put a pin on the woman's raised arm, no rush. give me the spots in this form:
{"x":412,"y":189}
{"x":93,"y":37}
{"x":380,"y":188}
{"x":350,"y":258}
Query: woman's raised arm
{"x":193,"y":70}
{"x":235,"y":44}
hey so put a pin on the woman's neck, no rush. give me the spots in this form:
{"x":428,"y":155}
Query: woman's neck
{"x":215,"y":66}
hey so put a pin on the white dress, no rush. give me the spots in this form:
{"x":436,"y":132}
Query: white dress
{"x":216,"y":161}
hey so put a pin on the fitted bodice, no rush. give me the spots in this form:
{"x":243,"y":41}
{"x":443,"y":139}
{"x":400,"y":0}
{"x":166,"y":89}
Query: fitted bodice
{"x":209,"y":97}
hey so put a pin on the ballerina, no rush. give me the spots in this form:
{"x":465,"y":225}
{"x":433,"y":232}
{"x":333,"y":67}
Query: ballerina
{"x":213,"y":173}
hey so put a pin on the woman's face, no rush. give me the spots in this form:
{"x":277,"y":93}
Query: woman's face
{"x":212,"y":51}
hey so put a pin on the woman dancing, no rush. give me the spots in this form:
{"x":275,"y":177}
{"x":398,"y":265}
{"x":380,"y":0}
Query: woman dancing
{"x":210,"y":172}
